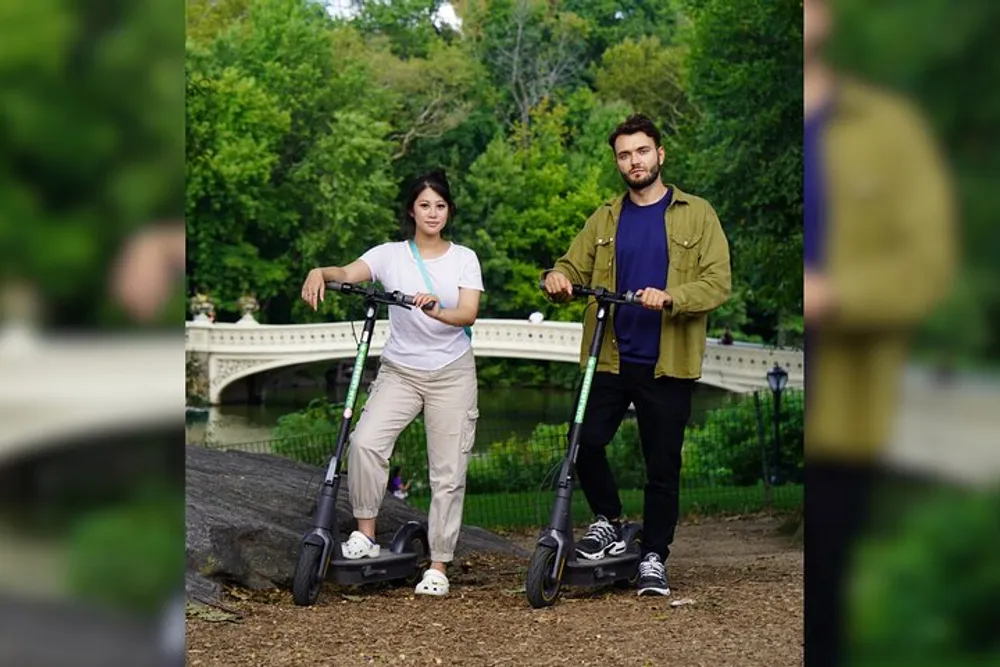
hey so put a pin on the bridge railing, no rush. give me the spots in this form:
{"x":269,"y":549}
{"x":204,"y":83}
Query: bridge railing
{"x":731,"y":464}
{"x":233,"y":351}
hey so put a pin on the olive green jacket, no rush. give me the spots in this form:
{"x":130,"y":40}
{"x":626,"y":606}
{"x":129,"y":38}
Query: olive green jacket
{"x":890,"y":256}
{"x":698,"y":278}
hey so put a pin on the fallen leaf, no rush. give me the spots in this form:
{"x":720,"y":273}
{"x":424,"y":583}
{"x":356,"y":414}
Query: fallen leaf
{"x":210,"y":614}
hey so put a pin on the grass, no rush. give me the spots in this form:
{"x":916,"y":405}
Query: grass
{"x":532,"y":508}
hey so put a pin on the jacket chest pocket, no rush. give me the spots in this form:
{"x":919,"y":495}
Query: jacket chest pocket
{"x":604,"y":261}
{"x":684,"y":250}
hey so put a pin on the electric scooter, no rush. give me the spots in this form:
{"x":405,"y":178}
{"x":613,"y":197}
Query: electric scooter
{"x":554,"y":560}
{"x":408,"y":553}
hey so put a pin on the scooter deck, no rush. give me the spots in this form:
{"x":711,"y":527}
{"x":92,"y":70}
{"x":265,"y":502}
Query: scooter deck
{"x":607,"y":570}
{"x":387,"y":566}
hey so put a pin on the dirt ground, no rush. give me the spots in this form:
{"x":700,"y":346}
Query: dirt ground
{"x":740,"y":579}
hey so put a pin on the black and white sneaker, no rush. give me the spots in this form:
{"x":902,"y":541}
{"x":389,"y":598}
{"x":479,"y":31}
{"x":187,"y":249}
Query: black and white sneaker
{"x":603,"y":538}
{"x":652,"y":576}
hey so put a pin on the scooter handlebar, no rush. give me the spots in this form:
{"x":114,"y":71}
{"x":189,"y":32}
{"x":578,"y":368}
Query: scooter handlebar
{"x":600,"y":293}
{"x":396,"y":298}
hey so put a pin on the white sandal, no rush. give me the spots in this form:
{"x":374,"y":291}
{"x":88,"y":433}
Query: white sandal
{"x":359,"y":545}
{"x":434,"y":583}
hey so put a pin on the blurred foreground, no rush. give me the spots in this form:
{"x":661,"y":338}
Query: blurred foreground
{"x":91,"y":423}
{"x":91,"y":500}
{"x":903,"y":317}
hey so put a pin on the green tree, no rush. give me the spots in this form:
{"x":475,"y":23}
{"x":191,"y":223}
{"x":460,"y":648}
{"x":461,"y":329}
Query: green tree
{"x":611,"y":22}
{"x":287,"y":160}
{"x":532,"y":48}
{"x":745,"y":156}
{"x":301,"y":128}
{"x":650,"y":77}
{"x":205,"y":19}
{"x":530,"y":205}
{"x":429,"y":96}
{"x":411,"y":27}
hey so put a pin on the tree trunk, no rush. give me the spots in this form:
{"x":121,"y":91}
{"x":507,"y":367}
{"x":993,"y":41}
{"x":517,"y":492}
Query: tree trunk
{"x":246,"y":514}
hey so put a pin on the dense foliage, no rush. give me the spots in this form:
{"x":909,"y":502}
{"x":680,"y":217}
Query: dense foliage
{"x":302,"y":126}
{"x":729,"y":449}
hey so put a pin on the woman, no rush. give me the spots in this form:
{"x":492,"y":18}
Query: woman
{"x":427,"y":365}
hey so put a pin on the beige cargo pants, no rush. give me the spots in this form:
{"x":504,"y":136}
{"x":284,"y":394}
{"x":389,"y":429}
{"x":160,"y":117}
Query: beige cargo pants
{"x":448,"y":398}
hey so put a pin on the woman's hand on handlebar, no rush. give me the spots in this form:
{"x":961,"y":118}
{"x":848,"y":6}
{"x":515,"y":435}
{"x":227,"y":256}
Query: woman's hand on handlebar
{"x":428,"y":303}
{"x":558,"y":286}
{"x":314,"y":288}
{"x":654,"y":299}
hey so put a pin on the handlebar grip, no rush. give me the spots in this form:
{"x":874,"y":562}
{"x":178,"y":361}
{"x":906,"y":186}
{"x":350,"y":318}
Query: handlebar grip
{"x":334,"y":286}
{"x":408,"y":300}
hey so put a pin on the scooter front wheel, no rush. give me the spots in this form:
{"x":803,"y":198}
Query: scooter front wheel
{"x":542,"y":589}
{"x":307,"y":582}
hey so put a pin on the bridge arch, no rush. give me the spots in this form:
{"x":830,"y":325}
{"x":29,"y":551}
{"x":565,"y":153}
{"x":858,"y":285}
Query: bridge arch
{"x":234,"y":352}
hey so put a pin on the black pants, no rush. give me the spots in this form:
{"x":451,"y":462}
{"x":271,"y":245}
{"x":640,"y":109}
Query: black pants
{"x":663,"y":407}
{"x":837,"y":500}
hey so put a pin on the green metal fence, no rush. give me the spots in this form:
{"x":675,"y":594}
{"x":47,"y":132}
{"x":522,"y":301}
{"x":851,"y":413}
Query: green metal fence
{"x":732,"y":463}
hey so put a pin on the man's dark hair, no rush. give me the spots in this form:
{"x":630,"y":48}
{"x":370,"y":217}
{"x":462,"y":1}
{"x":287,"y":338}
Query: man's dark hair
{"x":635,"y":123}
{"x":438,"y":182}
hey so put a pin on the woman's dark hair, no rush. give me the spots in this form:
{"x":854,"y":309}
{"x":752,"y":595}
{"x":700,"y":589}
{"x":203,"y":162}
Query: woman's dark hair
{"x":437,"y":181}
{"x":633,"y":124}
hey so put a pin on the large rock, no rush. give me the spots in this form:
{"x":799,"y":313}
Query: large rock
{"x":246,"y":514}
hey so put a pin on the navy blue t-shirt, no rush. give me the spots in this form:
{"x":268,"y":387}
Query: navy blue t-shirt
{"x":814,"y":197}
{"x":813,"y":191}
{"x":641,"y":262}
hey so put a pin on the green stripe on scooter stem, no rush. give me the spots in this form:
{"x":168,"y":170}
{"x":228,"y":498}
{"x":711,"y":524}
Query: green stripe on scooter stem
{"x":588,"y":377}
{"x":359,"y":362}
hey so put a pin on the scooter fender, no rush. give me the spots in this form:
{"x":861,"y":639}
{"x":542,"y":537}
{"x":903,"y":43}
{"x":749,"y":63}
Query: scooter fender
{"x":556,"y":540}
{"x":327,"y":542}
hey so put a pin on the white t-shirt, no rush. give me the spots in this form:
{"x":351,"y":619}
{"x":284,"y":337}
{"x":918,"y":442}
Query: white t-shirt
{"x":415,"y":339}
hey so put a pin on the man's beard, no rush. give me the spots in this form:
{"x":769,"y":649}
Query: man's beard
{"x":645,"y":182}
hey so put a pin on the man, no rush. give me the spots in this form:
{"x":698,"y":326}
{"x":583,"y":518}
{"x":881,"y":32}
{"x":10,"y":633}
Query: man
{"x":668,"y":247}
{"x":878,"y":248}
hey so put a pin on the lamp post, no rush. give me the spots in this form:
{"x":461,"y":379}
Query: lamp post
{"x":777,"y":380}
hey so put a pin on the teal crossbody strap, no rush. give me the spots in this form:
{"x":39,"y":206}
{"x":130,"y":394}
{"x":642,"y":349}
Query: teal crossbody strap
{"x":427,"y":278}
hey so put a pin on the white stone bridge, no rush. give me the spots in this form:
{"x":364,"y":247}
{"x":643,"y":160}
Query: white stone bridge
{"x":230,"y":352}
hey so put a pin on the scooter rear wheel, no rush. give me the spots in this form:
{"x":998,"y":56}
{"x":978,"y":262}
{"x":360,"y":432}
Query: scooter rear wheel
{"x":307,"y":582}
{"x":412,"y":538}
{"x":541,"y":588}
